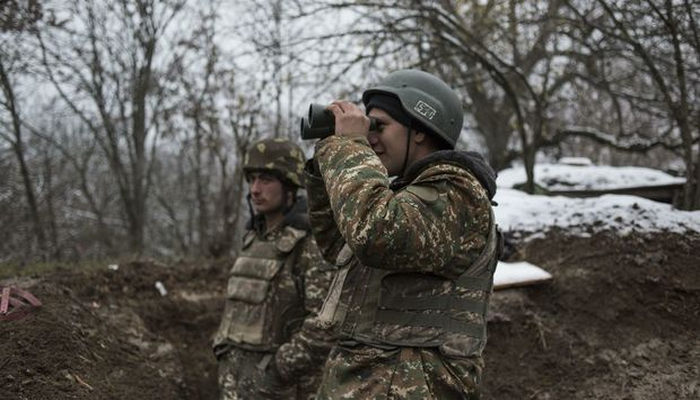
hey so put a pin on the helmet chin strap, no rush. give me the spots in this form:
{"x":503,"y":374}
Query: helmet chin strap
{"x":250,"y":206}
{"x":286,"y":208}
{"x":408,"y":148}
{"x":254,"y":226}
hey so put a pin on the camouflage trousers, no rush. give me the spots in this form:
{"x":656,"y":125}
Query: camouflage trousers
{"x":365,"y":372}
{"x":242,"y":373}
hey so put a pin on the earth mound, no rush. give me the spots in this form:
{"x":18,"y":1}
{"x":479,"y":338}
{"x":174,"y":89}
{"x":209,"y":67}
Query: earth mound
{"x":111,"y":334}
{"x":620,"y":320}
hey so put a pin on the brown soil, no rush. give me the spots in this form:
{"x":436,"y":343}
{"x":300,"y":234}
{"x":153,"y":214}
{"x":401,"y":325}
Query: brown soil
{"x":110,"y":334}
{"x":620,"y":320}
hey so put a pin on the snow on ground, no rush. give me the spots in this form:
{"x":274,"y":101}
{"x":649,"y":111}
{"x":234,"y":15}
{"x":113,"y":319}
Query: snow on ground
{"x":517,"y":274}
{"x":532,"y":215}
{"x":595,"y":177}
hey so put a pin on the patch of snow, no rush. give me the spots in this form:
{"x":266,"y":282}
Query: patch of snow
{"x":580,"y":161}
{"x":518,"y":274}
{"x":576,"y":177}
{"x":534,"y":215}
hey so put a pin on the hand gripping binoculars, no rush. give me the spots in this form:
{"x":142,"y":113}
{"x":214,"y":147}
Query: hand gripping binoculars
{"x":321,"y":123}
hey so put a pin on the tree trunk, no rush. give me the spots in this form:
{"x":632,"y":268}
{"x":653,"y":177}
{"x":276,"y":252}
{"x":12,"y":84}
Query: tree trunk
{"x":231,"y":201}
{"x":53,"y":226}
{"x":200,"y":188}
{"x":18,"y":148}
{"x":529,"y":155}
{"x":142,"y":86}
{"x":695,"y":205}
{"x":31,"y":197}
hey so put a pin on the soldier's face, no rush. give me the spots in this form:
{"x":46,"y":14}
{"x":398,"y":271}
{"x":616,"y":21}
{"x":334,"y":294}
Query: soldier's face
{"x":266,"y":193}
{"x":388,"y":141}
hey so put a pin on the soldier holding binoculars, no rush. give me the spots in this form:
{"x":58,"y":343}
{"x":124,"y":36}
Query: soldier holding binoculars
{"x":416,"y":255}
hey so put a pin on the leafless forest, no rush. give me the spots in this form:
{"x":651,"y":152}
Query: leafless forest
{"x":123,"y":122}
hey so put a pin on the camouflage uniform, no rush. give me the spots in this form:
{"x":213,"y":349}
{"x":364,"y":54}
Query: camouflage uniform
{"x":416,"y":259}
{"x":278,"y":280}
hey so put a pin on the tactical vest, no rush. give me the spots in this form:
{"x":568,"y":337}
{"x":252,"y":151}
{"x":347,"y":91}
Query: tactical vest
{"x":381,"y":307}
{"x":265,"y":298}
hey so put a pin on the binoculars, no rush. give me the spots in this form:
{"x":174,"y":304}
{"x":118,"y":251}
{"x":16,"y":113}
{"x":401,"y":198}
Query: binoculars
{"x":321,"y":123}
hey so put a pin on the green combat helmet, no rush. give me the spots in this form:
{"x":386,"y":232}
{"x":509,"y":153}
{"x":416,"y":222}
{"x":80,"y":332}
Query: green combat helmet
{"x":278,"y":155}
{"x":425,"y":98}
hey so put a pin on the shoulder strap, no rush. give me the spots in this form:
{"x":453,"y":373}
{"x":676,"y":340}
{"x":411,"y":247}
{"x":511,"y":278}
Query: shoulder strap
{"x":490,"y":252}
{"x":247,"y":238}
{"x":297,"y":272}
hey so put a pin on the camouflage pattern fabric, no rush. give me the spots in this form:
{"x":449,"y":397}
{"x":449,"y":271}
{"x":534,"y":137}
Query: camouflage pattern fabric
{"x":239,"y":374}
{"x":242,"y":371}
{"x":364,"y":372}
{"x":441,"y":215}
{"x":243,"y":368}
{"x":420,"y":228}
{"x":280,"y":155}
{"x":303,"y":356}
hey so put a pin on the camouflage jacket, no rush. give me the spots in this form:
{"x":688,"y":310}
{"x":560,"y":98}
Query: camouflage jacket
{"x":304,"y":277}
{"x":420,"y":234}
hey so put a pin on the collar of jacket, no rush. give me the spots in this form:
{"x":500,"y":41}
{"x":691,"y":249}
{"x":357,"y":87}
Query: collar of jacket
{"x":469,"y":160}
{"x":296,"y":217}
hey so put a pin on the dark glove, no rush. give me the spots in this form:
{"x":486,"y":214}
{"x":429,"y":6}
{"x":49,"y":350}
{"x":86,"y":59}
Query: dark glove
{"x":311,"y":167}
{"x":274,"y":386}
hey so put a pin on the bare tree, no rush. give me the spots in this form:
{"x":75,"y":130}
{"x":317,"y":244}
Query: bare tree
{"x":658,"y":42}
{"x":15,"y":20}
{"x":196,"y":68}
{"x":19,"y":15}
{"x":524,"y":67}
{"x":242,"y":118}
{"x":76,"y":146}
{"x":104,"y":64}
{"x":506,"y":56}
{"x":215,"y":117}
{"x":270,"y":33}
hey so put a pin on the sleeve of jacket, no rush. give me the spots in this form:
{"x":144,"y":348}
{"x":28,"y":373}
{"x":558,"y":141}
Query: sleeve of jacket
{"x":306,"y":351}
{"x":420,"y":228}
{"x":325,"y":231}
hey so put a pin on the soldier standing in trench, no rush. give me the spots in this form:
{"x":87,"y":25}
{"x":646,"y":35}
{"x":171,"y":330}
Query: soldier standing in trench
{"x":416,"y":255}
{"x":278,"y":281}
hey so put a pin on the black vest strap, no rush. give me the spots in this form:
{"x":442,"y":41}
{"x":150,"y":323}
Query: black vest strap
{"x":475,"y":283}
{"x":439,"y":311}
{"x":431,"y":320}
{"x":435,"y":303}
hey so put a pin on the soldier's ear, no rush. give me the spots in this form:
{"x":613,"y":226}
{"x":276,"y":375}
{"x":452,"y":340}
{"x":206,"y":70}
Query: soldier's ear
{"x":419,"y":137}
{"x":428,"y":141}
{"x":291,"y":196}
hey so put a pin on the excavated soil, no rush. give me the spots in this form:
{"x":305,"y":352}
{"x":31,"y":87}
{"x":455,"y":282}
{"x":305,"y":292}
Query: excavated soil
{"x":111,"y":335}
{"x":620,"y":320}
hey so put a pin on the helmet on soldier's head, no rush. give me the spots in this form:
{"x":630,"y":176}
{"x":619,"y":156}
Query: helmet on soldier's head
{"x":280,"y":156}
{"x":427,"y":99}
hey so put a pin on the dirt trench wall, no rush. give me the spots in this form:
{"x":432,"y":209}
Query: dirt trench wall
{"x":110,"y":334}
{"x":620,"y":320}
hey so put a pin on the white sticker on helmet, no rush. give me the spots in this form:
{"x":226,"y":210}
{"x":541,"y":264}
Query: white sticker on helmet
{"x":425,"y":110}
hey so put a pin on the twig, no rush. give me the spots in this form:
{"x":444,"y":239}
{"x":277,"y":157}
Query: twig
{"x":82,"y":382}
